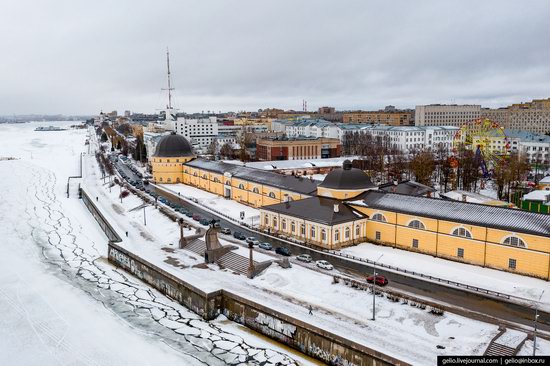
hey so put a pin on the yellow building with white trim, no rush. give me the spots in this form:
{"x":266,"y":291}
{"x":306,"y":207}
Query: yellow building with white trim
{"x":346,"y":209}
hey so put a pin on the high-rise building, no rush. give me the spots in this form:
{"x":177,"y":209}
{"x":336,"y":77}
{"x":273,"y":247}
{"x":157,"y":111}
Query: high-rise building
{"x":446,"y":114}
{"x":532,"y":116}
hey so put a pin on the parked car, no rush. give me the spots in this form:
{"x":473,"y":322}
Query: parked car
{"x":304,"y":258}
{"x":250,"y":239}
{"x":265,"y":246}
{"x":225,"y":230}
{"x":196,"y":217}
{"x":205,"y":222}
{"x":239,"y":235}
{"x":324,"y":265}
{"x":189,"y":214}
{"x":255,"y":242}
{"x":378,"y":280}
{"x":283,"y":251}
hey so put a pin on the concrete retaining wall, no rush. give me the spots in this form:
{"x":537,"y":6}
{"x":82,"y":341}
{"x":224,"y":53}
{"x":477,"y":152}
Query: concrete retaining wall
{"x":308,"y":339}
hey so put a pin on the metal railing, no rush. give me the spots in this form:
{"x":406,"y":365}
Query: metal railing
{"x":422,"y":275}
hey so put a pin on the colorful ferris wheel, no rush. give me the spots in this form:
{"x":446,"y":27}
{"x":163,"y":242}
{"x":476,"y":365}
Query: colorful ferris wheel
{"x":486,"y":139}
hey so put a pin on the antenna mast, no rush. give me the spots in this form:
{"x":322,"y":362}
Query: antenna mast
{"x":169,"y":82}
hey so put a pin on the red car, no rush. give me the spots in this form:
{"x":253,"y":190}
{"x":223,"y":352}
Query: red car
{"x":378,"y":280}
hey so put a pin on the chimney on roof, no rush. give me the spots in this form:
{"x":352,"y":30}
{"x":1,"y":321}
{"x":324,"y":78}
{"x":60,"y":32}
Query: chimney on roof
{"x":336,"y":208}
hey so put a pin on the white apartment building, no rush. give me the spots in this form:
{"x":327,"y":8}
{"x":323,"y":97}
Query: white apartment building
{"x":409,"y":138}
{"x":199,"y":131}
{"x":446,"y":114}
{"x":312,"y":128}
{"x":536,"y":147}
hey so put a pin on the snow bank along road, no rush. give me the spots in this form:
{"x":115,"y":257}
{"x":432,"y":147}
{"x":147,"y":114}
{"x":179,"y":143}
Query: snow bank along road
{"x":56,"y":286}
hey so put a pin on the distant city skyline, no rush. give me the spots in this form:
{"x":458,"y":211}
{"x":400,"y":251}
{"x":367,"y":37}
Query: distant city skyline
{"x":80,"y":58}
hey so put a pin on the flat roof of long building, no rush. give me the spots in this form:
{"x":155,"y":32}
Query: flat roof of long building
{"x":272,"y":179}
{"x":508,"y":219}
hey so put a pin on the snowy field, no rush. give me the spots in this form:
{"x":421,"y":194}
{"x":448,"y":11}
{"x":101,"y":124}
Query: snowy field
{"x":527,"y":289}
{"x":415,"y":334}
{"x":62,"y":302}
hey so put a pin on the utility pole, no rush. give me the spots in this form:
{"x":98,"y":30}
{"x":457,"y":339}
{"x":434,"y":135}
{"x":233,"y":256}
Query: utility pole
{"x":536,"y":318}
{"x":374,"y":287}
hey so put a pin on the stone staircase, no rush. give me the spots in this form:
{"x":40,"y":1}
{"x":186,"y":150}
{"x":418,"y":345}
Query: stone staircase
{"x":235,"y":262}
{"x":506,"y":343}
{"x":196,"y":246}
{"x":496,"y":349}
{"x":232,"y":261}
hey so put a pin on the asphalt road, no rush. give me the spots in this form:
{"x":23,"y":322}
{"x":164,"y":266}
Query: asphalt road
{"x":473,"y":302}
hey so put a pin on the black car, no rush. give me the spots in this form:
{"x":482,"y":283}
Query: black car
{"x":283,"y":251}
{"x":239,"y":235}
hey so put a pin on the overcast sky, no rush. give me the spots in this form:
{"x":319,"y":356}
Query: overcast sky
{"x":78,"y":56}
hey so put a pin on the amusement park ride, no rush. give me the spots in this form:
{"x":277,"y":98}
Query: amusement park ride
{"x":487,"y":139}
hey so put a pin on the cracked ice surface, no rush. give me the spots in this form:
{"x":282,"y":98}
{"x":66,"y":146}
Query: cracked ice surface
{"x":55,"y":285}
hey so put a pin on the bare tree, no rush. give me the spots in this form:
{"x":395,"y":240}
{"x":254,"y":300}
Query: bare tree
{"x":227,"y":151}
{"x":213,"y":147}
{"x":423,"y":166}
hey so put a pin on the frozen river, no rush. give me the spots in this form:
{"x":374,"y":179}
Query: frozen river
{"x":63,"y":303}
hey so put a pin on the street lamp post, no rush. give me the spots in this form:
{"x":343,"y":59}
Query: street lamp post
{"x":144,"y":217}
{"x":536,"y":318}
{"x":373,"y":287}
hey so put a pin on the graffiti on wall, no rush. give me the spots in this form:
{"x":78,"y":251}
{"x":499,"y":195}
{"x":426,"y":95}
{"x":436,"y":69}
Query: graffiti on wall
{"x":328,"y":357}
{"x":276,"y":324}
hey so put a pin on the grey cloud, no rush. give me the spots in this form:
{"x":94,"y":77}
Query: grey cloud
{"x":81,"y":56}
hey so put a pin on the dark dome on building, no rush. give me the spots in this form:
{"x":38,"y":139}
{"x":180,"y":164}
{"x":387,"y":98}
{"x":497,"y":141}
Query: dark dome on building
{"x":171,"y":146}
{"x":347,"y":178}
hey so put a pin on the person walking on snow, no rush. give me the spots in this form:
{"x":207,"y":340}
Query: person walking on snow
{"x":310,"y":310}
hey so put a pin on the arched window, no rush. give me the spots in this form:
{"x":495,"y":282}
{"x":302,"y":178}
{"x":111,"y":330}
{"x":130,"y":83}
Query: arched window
{"x":302,"y":229}
{"x":378,"y":217}
{"x":313,"y":232}
{"x":463,"y":232}
{"x":336,"y":235}
{"x":178,"y":180}
{"x":346,"y":235}
{"x":227,"y":182}
{"x":324,"y":234}
{"x":292,"y":226}
{"x":204,"y":176}
{"x":241,"y":186}
{"x":514,"y":241}
{"x":169,"y":180}
{"x":255,"y":190}
{"x":271,"y":194}
{"x":416,"y":224}
{"x":275,"y":222}
{"x":357,"y":230}
{"x":283,"y":224}
{"x":160,"y":179}
{"x":195,"y":174}
{"x":266,"y":220}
